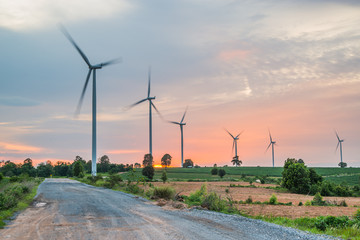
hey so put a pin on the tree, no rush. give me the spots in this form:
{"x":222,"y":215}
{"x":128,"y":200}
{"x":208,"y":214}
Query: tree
{"x":301,"y":161}
{"x":45,"y":170}
{"x":9,"y":169}
{"x":166,"y":160}
{"x":78,"y":169}
{"x":314,"y":177}
{"x":221,"y":172}
{"x":28,"y":167}
{"x":188,"y":163}
{"x":61,"y":168}
{"x":164,"y":176}
{"x":214,"y":171}
{"x":342,"y":164}
{"x":137,"y":165}
{"x":235,"y":161}
{"x":148,"y":171}
{"x":296,"y":176}
{"x":104,"y":164}
{"x":148,"y":160}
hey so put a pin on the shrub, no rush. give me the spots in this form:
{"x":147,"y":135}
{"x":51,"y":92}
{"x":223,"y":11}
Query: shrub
{"x":214,"y":171}
{"x":164,"y":176}
{"x":300,"y":203}
{"x":133,"y":188}
{"x":307,"y":203}
{"x":112,"y":180}
{"x":213,"y":202}
{"x":296,"y":176}
{"x":148,"y":172}
{"x":1,"y":176}
{"x":249,"y":200}
{"x":318,"y":200}
{"x":273,"y":200}
{"x":221,"y":173}
{"x":343,"y":203}
{"x":227,"y":190}
{"x":164,"y":192}
{"x":196,"y":197}
{"x":357,"y":215}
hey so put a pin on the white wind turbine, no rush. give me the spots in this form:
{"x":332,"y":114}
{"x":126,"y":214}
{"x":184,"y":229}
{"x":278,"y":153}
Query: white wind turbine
{"x":340,"y":141}
{"x":272,"y":143}
{"x":151,"y":105}
{"x":181,"y":124}
{"x":92,"y":69}
{"x":235,"y":139}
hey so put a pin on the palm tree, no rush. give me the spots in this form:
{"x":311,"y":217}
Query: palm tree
{"x":236,"y":161}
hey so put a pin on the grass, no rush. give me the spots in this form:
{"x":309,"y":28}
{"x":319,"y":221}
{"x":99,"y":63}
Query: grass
{"x":22,"y":204}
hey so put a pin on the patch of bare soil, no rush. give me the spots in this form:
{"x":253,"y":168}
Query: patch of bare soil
{"x":262,"y":194}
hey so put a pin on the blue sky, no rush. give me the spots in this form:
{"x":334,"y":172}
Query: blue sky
{"x":292,"y":67}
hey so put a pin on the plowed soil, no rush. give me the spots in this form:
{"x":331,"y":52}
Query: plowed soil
{"x":262,"y":194}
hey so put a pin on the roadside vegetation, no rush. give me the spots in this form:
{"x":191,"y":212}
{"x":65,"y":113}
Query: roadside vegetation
{"x":16,"y":193}
{"x":294,"y":177}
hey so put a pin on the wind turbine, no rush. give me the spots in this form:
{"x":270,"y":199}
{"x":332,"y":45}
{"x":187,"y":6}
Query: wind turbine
{"x":92,"y":69}
{"x":181,"y":124}
{"x":151,"y":105}
{"x":340,"y":141}
{"x":272,"y":143}
{"x":235,"y":139}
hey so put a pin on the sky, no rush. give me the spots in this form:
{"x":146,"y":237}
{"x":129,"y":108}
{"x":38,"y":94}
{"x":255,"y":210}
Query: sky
{"x":291,"y":67}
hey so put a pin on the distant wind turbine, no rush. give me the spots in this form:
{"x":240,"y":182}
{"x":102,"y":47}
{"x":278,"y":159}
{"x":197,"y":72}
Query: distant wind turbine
{"x":272,"y":143}
{"x":181,"y":124}
{"x":92,"y":69}
{"x":151,"y":105}
{"x":235,"y":139}
{"x":340,"y":141}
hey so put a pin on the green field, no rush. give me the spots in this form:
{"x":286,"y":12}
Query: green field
{"x":337,"y":175}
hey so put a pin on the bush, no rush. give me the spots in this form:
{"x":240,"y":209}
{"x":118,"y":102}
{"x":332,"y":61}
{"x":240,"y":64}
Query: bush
{"x":164,"y":192}
{"x":318,"y":200}
{"x":249,"y":200}
{"x":357,"y":215}
{"x":214,"y":171}
{"x":164,"y":176}
{"x":148,"y":172}
{"x":300,"y":203}
{"x":296,"y":176}
{"x":134,"y":188}
{"x":196,"y":197}
{"x":213,"y":202}
{"x":1,"y":176}
{"x":112,"y":180}
{"x":273,"y":200}
{"x":221,"y":173}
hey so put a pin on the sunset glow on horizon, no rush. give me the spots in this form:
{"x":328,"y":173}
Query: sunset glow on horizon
{"x":289,"y":67}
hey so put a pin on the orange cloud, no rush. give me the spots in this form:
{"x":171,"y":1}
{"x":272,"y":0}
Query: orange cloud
{"x":18,"y":148}
{"x":229,"y":55}
{"x":124,"y":151}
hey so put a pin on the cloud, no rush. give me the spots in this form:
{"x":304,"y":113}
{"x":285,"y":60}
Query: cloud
{"x":18,"y":148}
{"x":16,"y":101}
{"x":22,"y":15}
{"x":123,"y":151}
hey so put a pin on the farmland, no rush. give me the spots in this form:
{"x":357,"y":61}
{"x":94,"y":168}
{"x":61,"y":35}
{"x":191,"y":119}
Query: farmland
{"x":350,"y":176}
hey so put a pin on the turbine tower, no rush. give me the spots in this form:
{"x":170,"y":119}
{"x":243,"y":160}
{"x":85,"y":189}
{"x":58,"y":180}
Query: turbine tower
{"x":92,"y":69}
{"x":181,"y":124}
{"x":340,"y":141}
{"x":151,"y":105}
{"x":235,"y":139}
{"x":272,"y":143}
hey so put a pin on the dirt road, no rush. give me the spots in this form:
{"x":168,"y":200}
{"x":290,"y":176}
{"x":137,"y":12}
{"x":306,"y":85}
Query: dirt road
{"x":67,"y":209}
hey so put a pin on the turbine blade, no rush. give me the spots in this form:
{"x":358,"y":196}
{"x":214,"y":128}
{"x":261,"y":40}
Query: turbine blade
{"x":229,"y":133}
{"x":184,"y":115}
{"x":268,"y":147}
{"x":83,"y":93}
{"x":233,"y":146}
{"x":149,"y":77}
{"x":174,"y":122}
{"x":337,"y":146}
{"x":68,"y":36}
{"x":133,"y":105}
{"x":152,"y":104}
{"x":113,"y":61}
{"x":270,"y":136}
{"x":239,"y":134}
{"x":337,"y":136}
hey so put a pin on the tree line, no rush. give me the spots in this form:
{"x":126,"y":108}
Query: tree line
{"x":62,"y":169}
